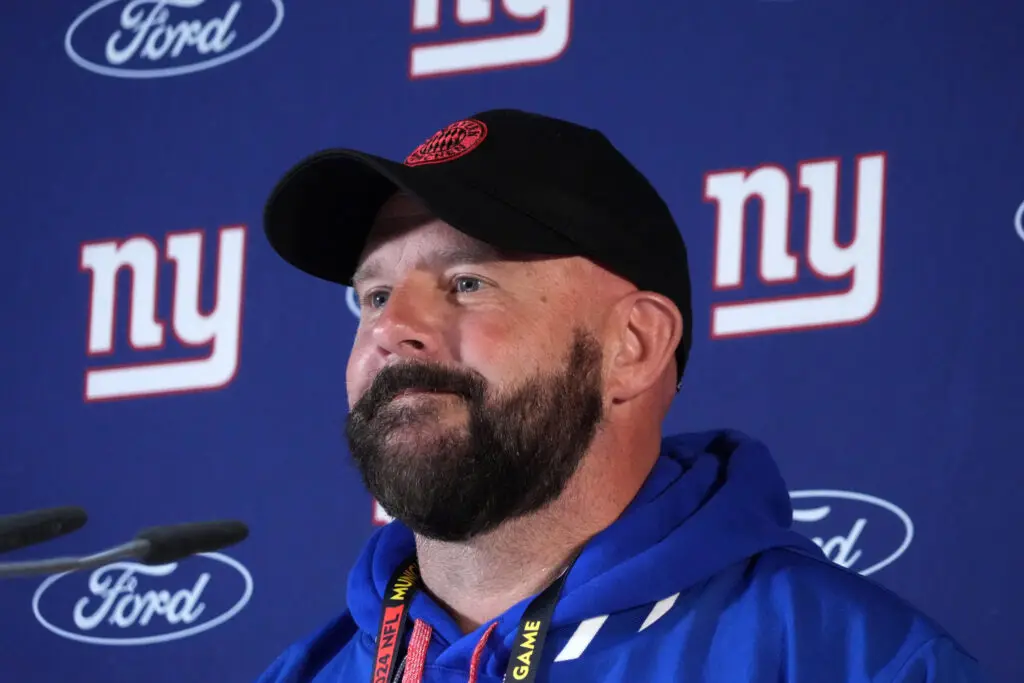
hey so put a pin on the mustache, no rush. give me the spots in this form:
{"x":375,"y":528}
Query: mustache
{"x":394,"y":379}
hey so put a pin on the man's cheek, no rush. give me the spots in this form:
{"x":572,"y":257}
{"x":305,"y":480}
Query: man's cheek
{"x":358,"y":376}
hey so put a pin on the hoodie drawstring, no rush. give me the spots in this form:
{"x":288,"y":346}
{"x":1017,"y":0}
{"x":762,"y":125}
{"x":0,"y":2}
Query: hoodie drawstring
{"x":419,"y":641}
{"x":416,"y":657}
{"x":474,"y":663}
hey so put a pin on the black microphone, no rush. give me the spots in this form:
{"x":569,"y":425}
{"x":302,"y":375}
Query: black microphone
{"x":156,"y":545}
{"x":171,"y":543}
{"x":38,"y":526}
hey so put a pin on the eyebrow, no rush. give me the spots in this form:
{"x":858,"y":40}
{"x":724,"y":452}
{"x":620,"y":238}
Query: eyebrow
{"x":474,"y":253}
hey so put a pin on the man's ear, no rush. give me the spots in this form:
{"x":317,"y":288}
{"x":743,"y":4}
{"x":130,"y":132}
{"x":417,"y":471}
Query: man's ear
{"x":650,"y":328}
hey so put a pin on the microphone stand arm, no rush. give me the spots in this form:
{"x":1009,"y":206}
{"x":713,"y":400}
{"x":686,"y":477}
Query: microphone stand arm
{"x":56,"y":565}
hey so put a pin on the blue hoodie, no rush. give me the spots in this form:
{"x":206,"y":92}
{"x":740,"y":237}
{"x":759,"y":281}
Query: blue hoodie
{"x":700,"y":580}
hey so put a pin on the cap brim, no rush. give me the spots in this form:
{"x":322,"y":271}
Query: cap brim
{"x":320,"y":213}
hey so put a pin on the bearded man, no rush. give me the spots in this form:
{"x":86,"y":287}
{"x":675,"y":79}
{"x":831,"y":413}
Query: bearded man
{"x":525,"y":322}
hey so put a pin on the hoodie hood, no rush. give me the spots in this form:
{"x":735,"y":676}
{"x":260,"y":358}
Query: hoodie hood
{"x":712,"y":499}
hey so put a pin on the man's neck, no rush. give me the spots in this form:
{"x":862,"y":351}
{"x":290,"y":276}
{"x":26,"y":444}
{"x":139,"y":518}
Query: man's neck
{"x":479,"y":580}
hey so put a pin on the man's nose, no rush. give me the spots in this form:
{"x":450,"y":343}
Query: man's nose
{"x":411,"y":322}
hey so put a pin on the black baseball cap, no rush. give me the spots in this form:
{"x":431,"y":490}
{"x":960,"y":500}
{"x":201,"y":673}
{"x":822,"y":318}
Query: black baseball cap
{"x":516,"y":180}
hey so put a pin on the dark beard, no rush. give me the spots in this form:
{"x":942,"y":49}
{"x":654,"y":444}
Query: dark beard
{"x":513,"y":455}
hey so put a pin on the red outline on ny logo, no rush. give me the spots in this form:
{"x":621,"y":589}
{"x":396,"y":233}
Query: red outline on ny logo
{"x":218,"y":329}
{"x":470,"y":55}
{"x":858,"y":263}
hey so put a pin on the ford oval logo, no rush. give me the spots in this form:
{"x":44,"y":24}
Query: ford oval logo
{"x":160,"y":38}
{"x":1018,"y":220}
{"x":858,"y":531}
{"x":127,"y":603}
{"x":352,"y":301}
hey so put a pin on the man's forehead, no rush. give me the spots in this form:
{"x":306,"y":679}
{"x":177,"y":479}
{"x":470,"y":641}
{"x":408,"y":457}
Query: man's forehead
{"x":401,"y":217}
{"x":400,"y":206}
{"x":403,"y":214}
{"x":399,"y":214}
{"x":404,"y":217}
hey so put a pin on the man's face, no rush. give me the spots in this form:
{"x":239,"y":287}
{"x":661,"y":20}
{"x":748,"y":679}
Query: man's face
{"x":474,"y":381}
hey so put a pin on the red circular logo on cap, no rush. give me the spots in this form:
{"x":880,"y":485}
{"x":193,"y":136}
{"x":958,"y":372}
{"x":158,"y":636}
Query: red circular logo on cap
{"x":451,"y":142}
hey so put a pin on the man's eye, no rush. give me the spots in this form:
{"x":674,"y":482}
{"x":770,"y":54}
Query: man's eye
{"x":465,"y":285}
{"x":375,"y":299}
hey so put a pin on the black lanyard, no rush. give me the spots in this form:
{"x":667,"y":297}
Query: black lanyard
{"x":526,"y":649}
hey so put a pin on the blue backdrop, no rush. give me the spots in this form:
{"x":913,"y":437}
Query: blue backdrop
{"x":847,"y":174}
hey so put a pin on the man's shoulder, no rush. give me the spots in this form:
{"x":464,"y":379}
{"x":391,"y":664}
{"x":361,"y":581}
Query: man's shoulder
{"x":306,"y":660}
{"x":798,"y":580}
{"x":823,"y":606}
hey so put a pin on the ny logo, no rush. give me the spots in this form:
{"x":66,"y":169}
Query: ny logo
{"x":544,"y":43}
{"x":858,"y":263}
{"x":219,"y":329}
